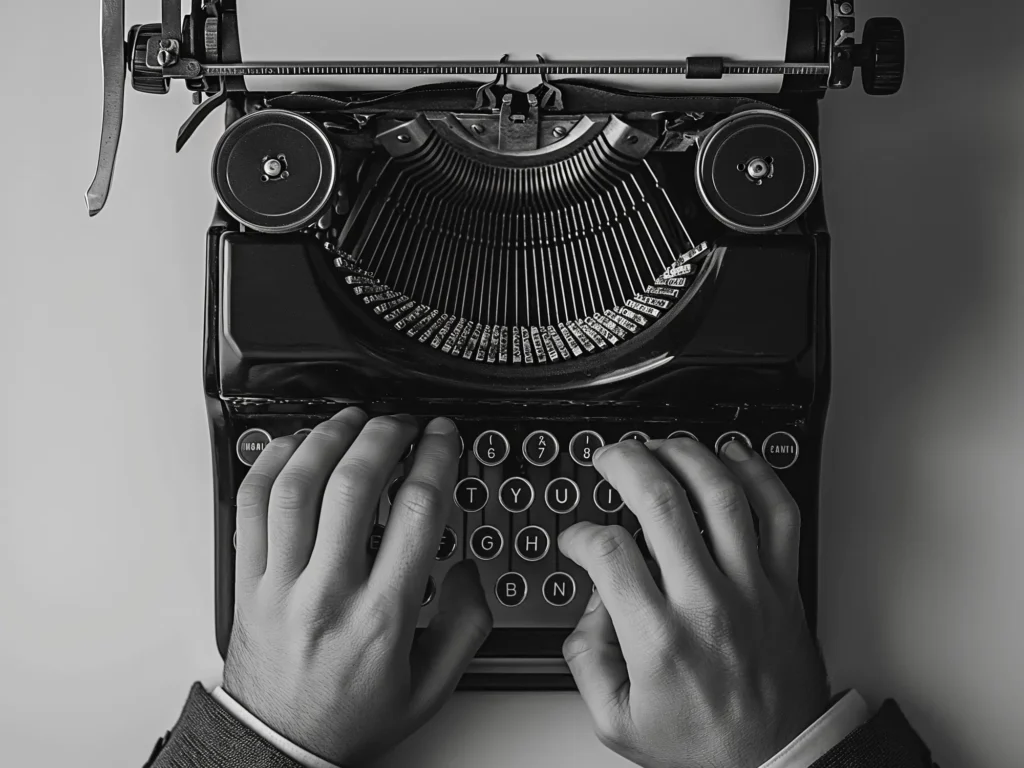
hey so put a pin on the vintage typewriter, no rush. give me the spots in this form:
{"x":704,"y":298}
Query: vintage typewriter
{"x":553,"y":268}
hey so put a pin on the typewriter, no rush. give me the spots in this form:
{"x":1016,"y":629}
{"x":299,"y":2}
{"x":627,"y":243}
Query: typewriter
{"x":553,"y":268}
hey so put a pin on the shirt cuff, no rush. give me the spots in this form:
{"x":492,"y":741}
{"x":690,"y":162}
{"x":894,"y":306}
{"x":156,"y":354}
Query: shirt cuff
{"x":845,"y":716}
{"x":261,"y":729}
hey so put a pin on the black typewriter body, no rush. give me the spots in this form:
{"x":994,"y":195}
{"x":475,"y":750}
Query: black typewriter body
{"x":553,"y":270}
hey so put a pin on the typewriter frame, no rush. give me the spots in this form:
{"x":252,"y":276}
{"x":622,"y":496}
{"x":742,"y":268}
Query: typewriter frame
{"x":821,"y":55}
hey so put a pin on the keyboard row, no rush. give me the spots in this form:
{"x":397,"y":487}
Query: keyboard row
{"x":511,"y":589}
{"x":540,"y":448}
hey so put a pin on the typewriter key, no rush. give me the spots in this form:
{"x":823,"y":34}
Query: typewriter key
{"x":274,"y":171}
{"x":376,"y":536}
{"x":540,"y":448}
{"x":757,"y":170}
{"x":516,"y":494}
{"x":429,"y":592}
{"x":562,"y":495}
{"x":641,"y":542}
{"x":583,"y":445}
{"x":731,"y":435}
{"x":683,"y":433}
{"x":486,"y":542}
{"x":559,"y":589}
{"x":393,"y":487}
{"x":606,"y":498}
{"x":449,"y":541}
{"x":635,"y":434}
{"x":491,"y":448}
{"x":250,"y":445}
{"x":781,"y":450}
{"x":532,"y":543}
{"x":510,"y":589}
{"x":471,"y":494}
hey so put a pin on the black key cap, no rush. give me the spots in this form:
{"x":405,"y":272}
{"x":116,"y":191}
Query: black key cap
{"x":449,"y":541}
{"x":559,"y":589}
{"x":540,"y":448}
{"x":491,"y":448}
{"x":606,"y":498}
{"x":562,"y":495}
{"x":532,"y":543}
{"x":641,"y":542}
{"x":376,"y":536}
{"x":583,"y":445}
{"x":471,"y":494}
{"x":635,"y":434}
{"x":393,"y":489}
{"x":683,"y":433}
{"x":510,"y":589}
{"x":486,"y":542}
{"x":251,"y":444}
{"x":430,"y":591}
{"x":780,"y":450}
{"x":516,"y":494}
{"x":731,"y":435}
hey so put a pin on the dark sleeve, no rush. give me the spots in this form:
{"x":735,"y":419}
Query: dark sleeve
{"x":885,"y":740}
{"x":206,"y":736}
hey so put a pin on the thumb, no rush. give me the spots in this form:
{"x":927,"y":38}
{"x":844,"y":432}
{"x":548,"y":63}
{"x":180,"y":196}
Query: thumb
{"x":598,"y":667}
{"x":444,"y":649}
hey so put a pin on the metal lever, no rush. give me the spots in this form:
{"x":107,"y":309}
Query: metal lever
{"x":114,"y":67}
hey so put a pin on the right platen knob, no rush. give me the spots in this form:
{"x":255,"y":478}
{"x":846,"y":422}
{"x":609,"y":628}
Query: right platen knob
{"x":882,"y":56}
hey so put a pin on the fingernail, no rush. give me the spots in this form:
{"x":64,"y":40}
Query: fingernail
{"x":598,"y":452}
{"x":595,"y":600}
{"x":736,"y":450}
{"x":440,"y":426}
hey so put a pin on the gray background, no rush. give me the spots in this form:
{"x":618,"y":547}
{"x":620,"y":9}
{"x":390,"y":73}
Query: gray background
{"x":106,"y":609}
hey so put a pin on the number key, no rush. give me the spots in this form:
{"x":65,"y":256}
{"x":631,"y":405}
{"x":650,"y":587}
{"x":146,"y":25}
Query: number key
{"x":491,"y":448}
{"x":583,"y":445}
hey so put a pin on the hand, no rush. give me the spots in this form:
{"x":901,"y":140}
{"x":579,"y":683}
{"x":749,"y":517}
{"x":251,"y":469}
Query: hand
{"x":323,"y":647}
{"x":714,"y":665}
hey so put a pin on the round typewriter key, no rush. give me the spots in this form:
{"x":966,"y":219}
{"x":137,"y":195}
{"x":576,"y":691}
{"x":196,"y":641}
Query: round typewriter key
{"x":532,"y":543}
{"x":303,"y":178}
{"x":510,"y":589}
{"x":303,"y":431}
{"x":583,"y":445}
{"x":393,"y":487}
{"x":486,"y":542}
{"x":516,"y":494}
{"x":429,"y":592}
{"x":559,"y":589}
{"x":781,"y":450}
{"x":606,"y":498}
{"x":408,"y":451}
{"x":491,"y":448}
{"x":641,"y":542}
{"x":757,"y":170}
{"x":562,"y":495}
{"x":731,"y":435}
{"x":234,"y":540}
{"x":683,"y":433}
{"x":376,"y":536}
{"x":540,"y":448}
{"x":471,"y":494}
{"x":251,"y":444}
{"x":635,"y":434}
{"x":448,"y":543}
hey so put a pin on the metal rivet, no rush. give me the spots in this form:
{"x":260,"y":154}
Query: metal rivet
{"x":559,"y":131}
{"x":272,"y":167}
{"x":403,"y":138}
{"x":477,"y":128}
{"x":846,"y":9}
{"x":632,"y":138}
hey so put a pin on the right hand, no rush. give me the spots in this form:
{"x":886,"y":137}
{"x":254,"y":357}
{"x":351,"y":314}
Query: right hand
{"x":323,"y":648}
{"x":714,"y":665}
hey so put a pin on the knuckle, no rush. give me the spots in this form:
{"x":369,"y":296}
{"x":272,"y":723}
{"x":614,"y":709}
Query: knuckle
{"x":608,"y":542}
{"x":574,"y":646}
{"x":292,"y":488}
{"x":420,"y":498}
{"x":254,"y":491}
{"x":726,"y":497}
{"x":660,"y":499}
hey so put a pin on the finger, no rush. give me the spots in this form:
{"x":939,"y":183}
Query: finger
{"x":778,"y":515}
{"x":613,"y":561}
{"x":252,"y":506}
{"x":445,"y":648}
{"x":595,"y":659}
{"x":659,"y":502}
{"x":296,"y":497}
{"x":350,"y":502}
{"x":417,"y":517}
{"x":720,"y":498}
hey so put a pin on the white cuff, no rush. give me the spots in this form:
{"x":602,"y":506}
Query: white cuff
{"x":257,"y":726}
{"x":846,"y":715}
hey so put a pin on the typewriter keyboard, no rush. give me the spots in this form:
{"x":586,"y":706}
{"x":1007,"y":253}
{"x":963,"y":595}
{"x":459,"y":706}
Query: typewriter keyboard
{"x":520,"y":485}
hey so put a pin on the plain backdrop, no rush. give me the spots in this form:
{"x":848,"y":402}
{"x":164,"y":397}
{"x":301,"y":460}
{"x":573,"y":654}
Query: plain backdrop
{"x":106,"y":603}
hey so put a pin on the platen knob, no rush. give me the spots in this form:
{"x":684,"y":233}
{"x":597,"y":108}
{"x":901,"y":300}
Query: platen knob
{"x":145,"y":79}
{"x":883,"y":56}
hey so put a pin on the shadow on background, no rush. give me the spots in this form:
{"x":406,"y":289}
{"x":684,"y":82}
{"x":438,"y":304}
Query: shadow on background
{"x":923,"y":195}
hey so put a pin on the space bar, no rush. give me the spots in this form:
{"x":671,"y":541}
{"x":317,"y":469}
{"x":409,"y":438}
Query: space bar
{"x":499,"y":666}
